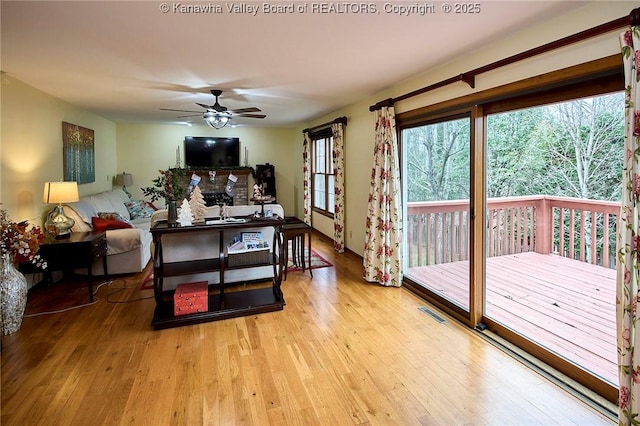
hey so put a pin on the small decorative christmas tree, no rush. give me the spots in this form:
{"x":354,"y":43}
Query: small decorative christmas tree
{"x":185,"y":217}
{"x":197,"y":204}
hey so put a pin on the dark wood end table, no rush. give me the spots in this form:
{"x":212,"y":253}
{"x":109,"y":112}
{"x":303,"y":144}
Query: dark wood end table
{"x":80,"y":250}
{"x":295,"y":230}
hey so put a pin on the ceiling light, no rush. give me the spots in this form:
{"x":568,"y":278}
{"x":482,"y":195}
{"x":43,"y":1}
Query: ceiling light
{"x":216,"y":119}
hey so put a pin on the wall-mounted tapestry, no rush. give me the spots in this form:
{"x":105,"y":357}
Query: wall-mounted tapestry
{"x":78,"y":153}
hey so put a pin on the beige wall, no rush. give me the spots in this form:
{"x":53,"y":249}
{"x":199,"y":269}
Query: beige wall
{"x":144,"y":149}
{"x":31,"y":147}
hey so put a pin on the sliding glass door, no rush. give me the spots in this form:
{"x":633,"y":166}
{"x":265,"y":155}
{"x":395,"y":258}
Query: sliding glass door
{"x":436,"y":188}
{"x":511,"y":213}
{"x":553,"y":197}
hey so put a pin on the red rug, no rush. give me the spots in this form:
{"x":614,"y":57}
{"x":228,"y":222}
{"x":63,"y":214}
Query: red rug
{"x":317,"y":261}
{"x":147,"y":284}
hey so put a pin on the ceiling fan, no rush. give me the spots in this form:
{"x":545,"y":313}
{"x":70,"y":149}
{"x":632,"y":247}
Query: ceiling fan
{"x":218,"y":116}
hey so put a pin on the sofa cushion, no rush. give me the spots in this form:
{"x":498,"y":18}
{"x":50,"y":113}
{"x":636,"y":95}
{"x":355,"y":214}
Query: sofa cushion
{"x":108,"y":201}
{"x":100,"y":224}
{"x":123,"y":197}
{"x":80,"y":225}
{"x":117,"y":198}
{"x":125,"y":240}
{"x":83,"y":209}
{"x":99,"y":202}
{"x":141,"y":223}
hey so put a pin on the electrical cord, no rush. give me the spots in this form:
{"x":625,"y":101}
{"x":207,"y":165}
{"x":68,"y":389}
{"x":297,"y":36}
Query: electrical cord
{"x":96,"y":299}
{"x":120,"y":289}
{"x":58,"y":311}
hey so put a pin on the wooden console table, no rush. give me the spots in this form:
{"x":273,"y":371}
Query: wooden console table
{"x":221,"y":304}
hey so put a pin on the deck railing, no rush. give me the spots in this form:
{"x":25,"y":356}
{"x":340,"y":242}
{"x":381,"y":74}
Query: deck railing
{"x":585,"y":230}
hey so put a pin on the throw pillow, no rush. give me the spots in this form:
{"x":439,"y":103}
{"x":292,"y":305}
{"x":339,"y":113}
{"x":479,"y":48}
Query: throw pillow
{"x":140,"y":208}
{"x":100,"y":224}
{"x":114,"y":216}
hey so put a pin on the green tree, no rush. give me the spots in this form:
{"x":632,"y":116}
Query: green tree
{"x":515,"y":156}
{"x":571,"y":149}
{"x":437,"y":164}
{"x":584,"y":147}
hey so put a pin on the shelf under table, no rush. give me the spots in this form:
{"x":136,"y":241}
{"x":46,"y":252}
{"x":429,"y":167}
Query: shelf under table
{"x":230,"y":305}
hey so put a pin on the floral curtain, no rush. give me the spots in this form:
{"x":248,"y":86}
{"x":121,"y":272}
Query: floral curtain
{"x":338,"y":183}
{"x":306,"y":177}
{"x":383,"y":239}
{"x":628,"y":290}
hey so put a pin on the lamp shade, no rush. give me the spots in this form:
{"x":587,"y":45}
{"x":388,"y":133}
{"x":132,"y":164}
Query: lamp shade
{"x":60,"y":192}
{"x":124,"y":179}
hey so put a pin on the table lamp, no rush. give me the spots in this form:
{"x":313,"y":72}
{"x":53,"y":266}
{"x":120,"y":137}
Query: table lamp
{"x":124,"y":179}
{"x":59,"y":192}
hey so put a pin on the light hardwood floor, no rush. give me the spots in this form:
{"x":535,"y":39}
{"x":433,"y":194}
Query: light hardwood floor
{"x":342,"y":352}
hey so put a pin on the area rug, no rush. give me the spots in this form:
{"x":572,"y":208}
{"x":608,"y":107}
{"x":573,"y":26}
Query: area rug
{"x":317,"y":261}
{"x":147,"y":284}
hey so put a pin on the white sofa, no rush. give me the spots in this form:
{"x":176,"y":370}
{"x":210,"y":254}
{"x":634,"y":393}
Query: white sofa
{"x":192,"y":246}
{"x":128,"y":250}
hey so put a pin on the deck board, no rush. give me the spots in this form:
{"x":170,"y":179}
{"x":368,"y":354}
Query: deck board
{"x":565,"y":305}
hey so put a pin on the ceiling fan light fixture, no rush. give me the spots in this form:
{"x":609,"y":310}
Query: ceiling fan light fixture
{"x":216,"y":119}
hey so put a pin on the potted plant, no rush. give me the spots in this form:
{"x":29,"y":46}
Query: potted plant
{"x":167,"y":186}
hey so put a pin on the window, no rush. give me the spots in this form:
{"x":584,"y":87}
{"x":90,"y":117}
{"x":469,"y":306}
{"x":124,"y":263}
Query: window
{"x":322,"y":175}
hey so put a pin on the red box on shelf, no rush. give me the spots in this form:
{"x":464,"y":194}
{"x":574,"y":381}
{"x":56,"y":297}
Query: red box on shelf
{"x":191,"y":298}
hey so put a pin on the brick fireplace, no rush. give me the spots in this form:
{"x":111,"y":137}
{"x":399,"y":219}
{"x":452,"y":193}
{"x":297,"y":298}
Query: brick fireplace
{"x":213,"y":191}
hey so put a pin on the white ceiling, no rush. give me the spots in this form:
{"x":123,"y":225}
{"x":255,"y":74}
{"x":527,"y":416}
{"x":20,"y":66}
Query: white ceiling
{"x":123,"y":60}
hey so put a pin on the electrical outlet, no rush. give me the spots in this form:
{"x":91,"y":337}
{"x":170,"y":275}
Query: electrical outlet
{"x":350,"y":234}
{"x":108,"y":178}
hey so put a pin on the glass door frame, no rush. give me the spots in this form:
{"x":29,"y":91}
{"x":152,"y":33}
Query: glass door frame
{"x":472,"y":316}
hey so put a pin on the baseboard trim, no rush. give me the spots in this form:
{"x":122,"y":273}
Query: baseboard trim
{"x":347,"y":250}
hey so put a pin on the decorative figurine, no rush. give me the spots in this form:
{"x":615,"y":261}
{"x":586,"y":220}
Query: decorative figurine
{"x":257,"y":192}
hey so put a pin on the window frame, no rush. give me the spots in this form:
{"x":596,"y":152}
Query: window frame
{"x":326,"y":136}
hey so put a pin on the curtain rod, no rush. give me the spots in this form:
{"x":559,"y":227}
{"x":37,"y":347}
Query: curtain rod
{"x":338,"y":120}
{"x":469,"y":77}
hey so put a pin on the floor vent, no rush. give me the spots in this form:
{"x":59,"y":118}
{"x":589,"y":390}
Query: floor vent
{"x":432,"y":314}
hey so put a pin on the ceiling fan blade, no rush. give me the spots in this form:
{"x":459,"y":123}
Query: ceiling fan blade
{"x":219,"y":109}
{"x":178,"y":110}
{"x":245,"y":110}
{"x":190,"y":115}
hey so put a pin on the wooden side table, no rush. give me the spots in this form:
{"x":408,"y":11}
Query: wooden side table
{"x":295,"y":230}
{"x":80,"y":250}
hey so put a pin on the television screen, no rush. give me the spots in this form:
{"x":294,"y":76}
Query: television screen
{"x":211,"y":152}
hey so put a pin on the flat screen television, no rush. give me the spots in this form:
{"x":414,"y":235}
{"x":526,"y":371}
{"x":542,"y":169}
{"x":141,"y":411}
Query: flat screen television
{"x":211,"y":152}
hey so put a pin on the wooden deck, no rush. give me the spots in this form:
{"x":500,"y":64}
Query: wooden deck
{"x":565,"y":305}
